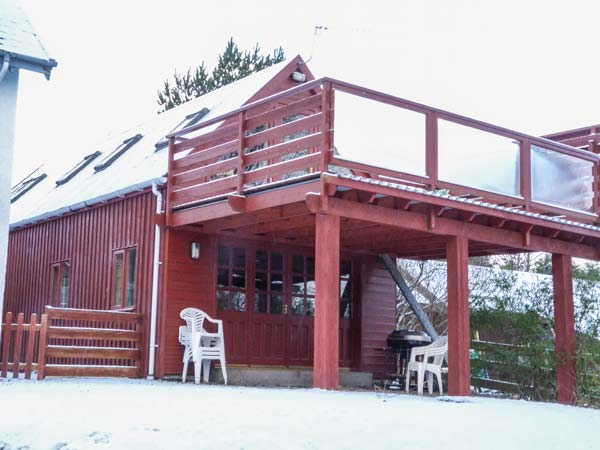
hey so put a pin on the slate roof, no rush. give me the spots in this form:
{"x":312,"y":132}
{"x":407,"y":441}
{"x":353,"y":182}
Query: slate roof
{"x":138,"y":166}
{"x":19,"y":40}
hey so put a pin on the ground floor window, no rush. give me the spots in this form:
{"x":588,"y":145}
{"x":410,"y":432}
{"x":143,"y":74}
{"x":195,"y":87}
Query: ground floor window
{"x":231,"y":279}
{"x":279,"y":282}
{"x":124,"y":277}
{"x":61,"y":283}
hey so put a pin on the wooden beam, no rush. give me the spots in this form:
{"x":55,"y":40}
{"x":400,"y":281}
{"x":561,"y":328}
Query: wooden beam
{"x":450,"y":227}
{"x":237,"y":202}
{"x":467,"y":207}
{"x":459,"y":360}
{"x":327,"y":279}
{"x":564,"y":319}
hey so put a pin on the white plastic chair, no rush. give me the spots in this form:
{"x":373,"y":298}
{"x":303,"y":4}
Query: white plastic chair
{"x":200,"y":346}
{"x":433,"y":357}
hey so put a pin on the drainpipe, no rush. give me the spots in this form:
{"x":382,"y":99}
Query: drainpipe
{"x":5,"y":64}
{"x":9,"y":82}
{"x":155,"y":276}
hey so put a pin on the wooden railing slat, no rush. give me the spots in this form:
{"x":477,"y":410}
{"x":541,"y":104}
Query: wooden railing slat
{"x":6,"y":344}
{"x":78,"y":352}
{"x":198,"y":174}
{"x":91,"y":315}
{"x":278,"y":132}
{"x":18,"y":344}
{"x":292,"y":165}
{"x":276,"y":115}
{"x":84,"y":333}
{"x":61,"y":370}
{"x":220,"y":186}
{"x":218,"y":136}
{"x":30,"y":346}
{"x":203,"y":156}
{"x":275,"y":151}
{"x":43,"y":341}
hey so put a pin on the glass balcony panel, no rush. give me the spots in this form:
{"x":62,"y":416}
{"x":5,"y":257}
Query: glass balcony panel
{"x":561,"y":180}
{"x":478,"y":159}
{"x":378,"y":134}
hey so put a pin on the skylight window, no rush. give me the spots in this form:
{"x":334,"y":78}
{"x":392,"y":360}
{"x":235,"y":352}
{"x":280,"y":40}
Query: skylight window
{"x":189,"y":120}
{"x":117,"y":152}
{"x":78,"y":168}
{"x":25,"y":185}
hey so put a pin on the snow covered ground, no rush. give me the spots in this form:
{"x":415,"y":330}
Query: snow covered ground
{"x":63,"y":414}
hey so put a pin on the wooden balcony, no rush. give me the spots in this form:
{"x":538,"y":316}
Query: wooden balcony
{"x":327,"y":137}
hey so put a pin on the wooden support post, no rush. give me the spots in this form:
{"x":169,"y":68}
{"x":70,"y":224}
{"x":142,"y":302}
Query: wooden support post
{"x":327,"y":278}
{"x":459,"y":363}
{"x":326,"y":141}
{"x":6,"y":343}
{"x":431,"y":149}
{"x":564,"y":324}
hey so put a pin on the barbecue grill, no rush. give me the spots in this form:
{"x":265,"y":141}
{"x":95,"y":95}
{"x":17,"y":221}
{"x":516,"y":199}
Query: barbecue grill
{"x":401,"y":342}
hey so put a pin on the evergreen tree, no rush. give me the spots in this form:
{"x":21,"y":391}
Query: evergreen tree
{"x":232,"y":65}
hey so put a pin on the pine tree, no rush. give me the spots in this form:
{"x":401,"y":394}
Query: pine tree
{"x":232,"y":65}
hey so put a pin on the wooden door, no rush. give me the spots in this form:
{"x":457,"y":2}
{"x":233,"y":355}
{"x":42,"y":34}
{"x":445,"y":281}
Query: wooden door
{"x":266,"y":299}
{"x":267,"y":334}
{"x":300,"y":332}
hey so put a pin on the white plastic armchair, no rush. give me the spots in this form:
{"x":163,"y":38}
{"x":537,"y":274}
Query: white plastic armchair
{"x":433,"y":358}
{"x":199,"y":345}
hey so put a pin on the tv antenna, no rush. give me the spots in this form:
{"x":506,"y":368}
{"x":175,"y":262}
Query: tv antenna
{"x":319,"y":29}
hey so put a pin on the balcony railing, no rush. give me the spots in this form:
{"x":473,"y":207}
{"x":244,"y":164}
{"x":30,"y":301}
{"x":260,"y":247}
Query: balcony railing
{"x":381,"y":136}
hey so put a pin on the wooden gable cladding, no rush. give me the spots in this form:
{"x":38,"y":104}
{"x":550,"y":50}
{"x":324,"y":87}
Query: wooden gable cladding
{"x":87,"y":239}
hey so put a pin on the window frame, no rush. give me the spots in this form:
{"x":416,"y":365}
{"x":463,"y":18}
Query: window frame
{"x":190,"y":120}
{"x":123,"y":289}
{"x":231,"y":289}
{"x":68,"y":176}
{"x":24,"y":186}
{"x":117,"y":153}
{"x":56,"y":283}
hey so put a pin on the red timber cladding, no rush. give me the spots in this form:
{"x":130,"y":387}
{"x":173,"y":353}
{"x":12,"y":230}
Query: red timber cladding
{"x":378,"y":317}
{"x":87,"y":238}
{"x":189,"y":283}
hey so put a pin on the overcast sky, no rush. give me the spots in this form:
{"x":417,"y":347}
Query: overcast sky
{"x":528,"y":65}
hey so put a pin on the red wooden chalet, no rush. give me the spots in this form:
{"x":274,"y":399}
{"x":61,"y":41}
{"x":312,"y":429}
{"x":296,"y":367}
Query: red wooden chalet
{"x":288,"y":191}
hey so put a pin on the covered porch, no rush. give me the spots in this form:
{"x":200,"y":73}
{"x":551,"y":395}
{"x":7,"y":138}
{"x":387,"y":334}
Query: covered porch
{"x":340,"y":171}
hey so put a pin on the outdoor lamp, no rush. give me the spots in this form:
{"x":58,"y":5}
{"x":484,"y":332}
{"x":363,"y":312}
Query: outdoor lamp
{"x":195,"y":250}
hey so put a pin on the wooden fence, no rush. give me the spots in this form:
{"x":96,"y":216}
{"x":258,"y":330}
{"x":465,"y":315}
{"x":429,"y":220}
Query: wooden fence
{"x":20,"y":345}
{"x":73,"y":342}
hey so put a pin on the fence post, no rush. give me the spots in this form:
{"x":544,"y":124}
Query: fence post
{"x":30,"y":345}
{"x":6,"y":344}
{"x":42,"y":347}
{"x":18,"y":343}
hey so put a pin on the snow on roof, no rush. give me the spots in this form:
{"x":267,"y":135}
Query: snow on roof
{"x":138,"y":166}
{"x":18,"y":39}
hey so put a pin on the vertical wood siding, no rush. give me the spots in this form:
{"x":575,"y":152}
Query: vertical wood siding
{"x":87,"y":238}
{"x":189,"y":283}
{"x":378,"y":317}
